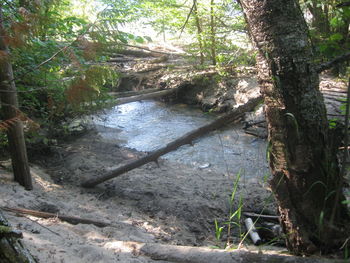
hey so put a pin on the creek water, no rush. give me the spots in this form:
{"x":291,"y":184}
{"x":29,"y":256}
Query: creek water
{"x":149,"y":125}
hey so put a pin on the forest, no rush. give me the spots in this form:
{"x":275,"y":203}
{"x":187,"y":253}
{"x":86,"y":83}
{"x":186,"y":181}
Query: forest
{"x":174,"y":131}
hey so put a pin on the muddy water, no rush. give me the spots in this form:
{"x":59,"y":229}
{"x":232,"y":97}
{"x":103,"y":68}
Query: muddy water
{"x":147,"y":126}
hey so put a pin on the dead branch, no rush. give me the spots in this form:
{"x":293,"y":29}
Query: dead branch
{"x":70,"y":219}
{"x":185,"y":139}
{"x":251,"y":214}
{"x":132,"y":93}
{"x":188,"y":16}
{"x":331,"y":63}
{"x":147,"y":96}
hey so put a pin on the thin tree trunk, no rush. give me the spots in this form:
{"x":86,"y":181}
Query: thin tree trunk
{"x":303,"y":165}
{"x":199,"y":31}
{"x":9,"y":104}
{"x":212,"y":33}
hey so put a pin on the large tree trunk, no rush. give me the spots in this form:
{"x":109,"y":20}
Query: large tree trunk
{"x":303,"y":165}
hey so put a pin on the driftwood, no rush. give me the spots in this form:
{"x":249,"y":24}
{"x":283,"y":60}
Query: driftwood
{"x":147,"y":96}
{"x":70,"y":219}
{"x":132,"y":93}
{"x":185,"y":139}
{"x":120,"y":60}
{"x":12,"y":249}
{"x":185,"y":254}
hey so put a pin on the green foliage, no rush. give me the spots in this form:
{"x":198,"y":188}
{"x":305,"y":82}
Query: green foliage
{"x":51,"y":53}
{"x":329,"y":28}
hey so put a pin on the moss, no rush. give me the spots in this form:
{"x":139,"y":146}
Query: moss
{"x":5,"y":230}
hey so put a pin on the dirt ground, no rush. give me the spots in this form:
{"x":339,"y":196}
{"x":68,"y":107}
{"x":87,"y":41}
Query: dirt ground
{"x":169,"y":204}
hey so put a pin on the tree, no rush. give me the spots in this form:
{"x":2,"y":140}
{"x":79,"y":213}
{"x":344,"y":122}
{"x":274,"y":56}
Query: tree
{"x":9,"y":105}
{"x":302,"y":153}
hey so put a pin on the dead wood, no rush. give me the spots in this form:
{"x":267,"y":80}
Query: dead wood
{"x":185,"y":139}
{"x":147,"y":96}
{"x":256,"y":133}
{"x":255,"y":215}
{"x":158,"y":60}
{"x":120,"y":60}
{"x":150,"y":69}
{"x":333,"y":62}
{"x":133,"y":93}
{"x":185,"y":254}
{"x":70,"y":219}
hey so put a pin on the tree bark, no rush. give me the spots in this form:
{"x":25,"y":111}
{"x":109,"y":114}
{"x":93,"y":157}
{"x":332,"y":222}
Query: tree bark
{"x":302,"y":161}
{"x":212,"y":33}
{"x":185,"y":139}
{"x":199,"y":31}
{"x":9,"y":104}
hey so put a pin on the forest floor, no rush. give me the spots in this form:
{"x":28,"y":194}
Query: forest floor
{"x":172,"y":204}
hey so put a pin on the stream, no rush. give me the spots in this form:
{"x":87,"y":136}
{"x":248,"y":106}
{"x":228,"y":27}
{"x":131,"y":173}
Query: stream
{"x":149,"y":125}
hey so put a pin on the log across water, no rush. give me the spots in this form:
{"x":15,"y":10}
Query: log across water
{"x":185,"y":139}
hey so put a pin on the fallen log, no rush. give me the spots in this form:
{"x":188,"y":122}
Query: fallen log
{"x":185,"y":139}
{"x":147,"y":96}
{"x":132,"y":93}
{"x":70,"y":219}
{"x":187,"y":254}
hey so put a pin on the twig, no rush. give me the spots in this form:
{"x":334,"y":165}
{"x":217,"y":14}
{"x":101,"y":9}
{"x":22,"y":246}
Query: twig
{"x":188,"y":17}
{"x":36,"y":222}
{"x":251,"y":214}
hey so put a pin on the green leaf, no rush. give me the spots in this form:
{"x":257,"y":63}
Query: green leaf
{"x":336,"y":37}
{"x":140,"y":40}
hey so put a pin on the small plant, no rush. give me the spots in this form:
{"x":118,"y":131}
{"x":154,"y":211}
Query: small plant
{"x":234,"y":216}
{"x":218,"y":231}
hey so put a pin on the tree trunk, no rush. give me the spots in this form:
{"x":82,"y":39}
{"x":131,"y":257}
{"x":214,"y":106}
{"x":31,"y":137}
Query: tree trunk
{"x":212,"y":33}
{"x":199,"y":31}
{"x":9,"y":104}
{"x":304,"y":167}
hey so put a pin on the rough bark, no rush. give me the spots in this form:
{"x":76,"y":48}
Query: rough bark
{"x":185,"y":139}
{"x":303,"y":164}
{"x":9,"y":105}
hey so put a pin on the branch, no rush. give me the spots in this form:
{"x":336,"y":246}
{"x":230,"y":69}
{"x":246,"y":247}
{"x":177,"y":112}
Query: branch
{"x":70,"y":219}
{"x":324,"y":66}
{"x":188,"y":17}
{"x":345,"y":4}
